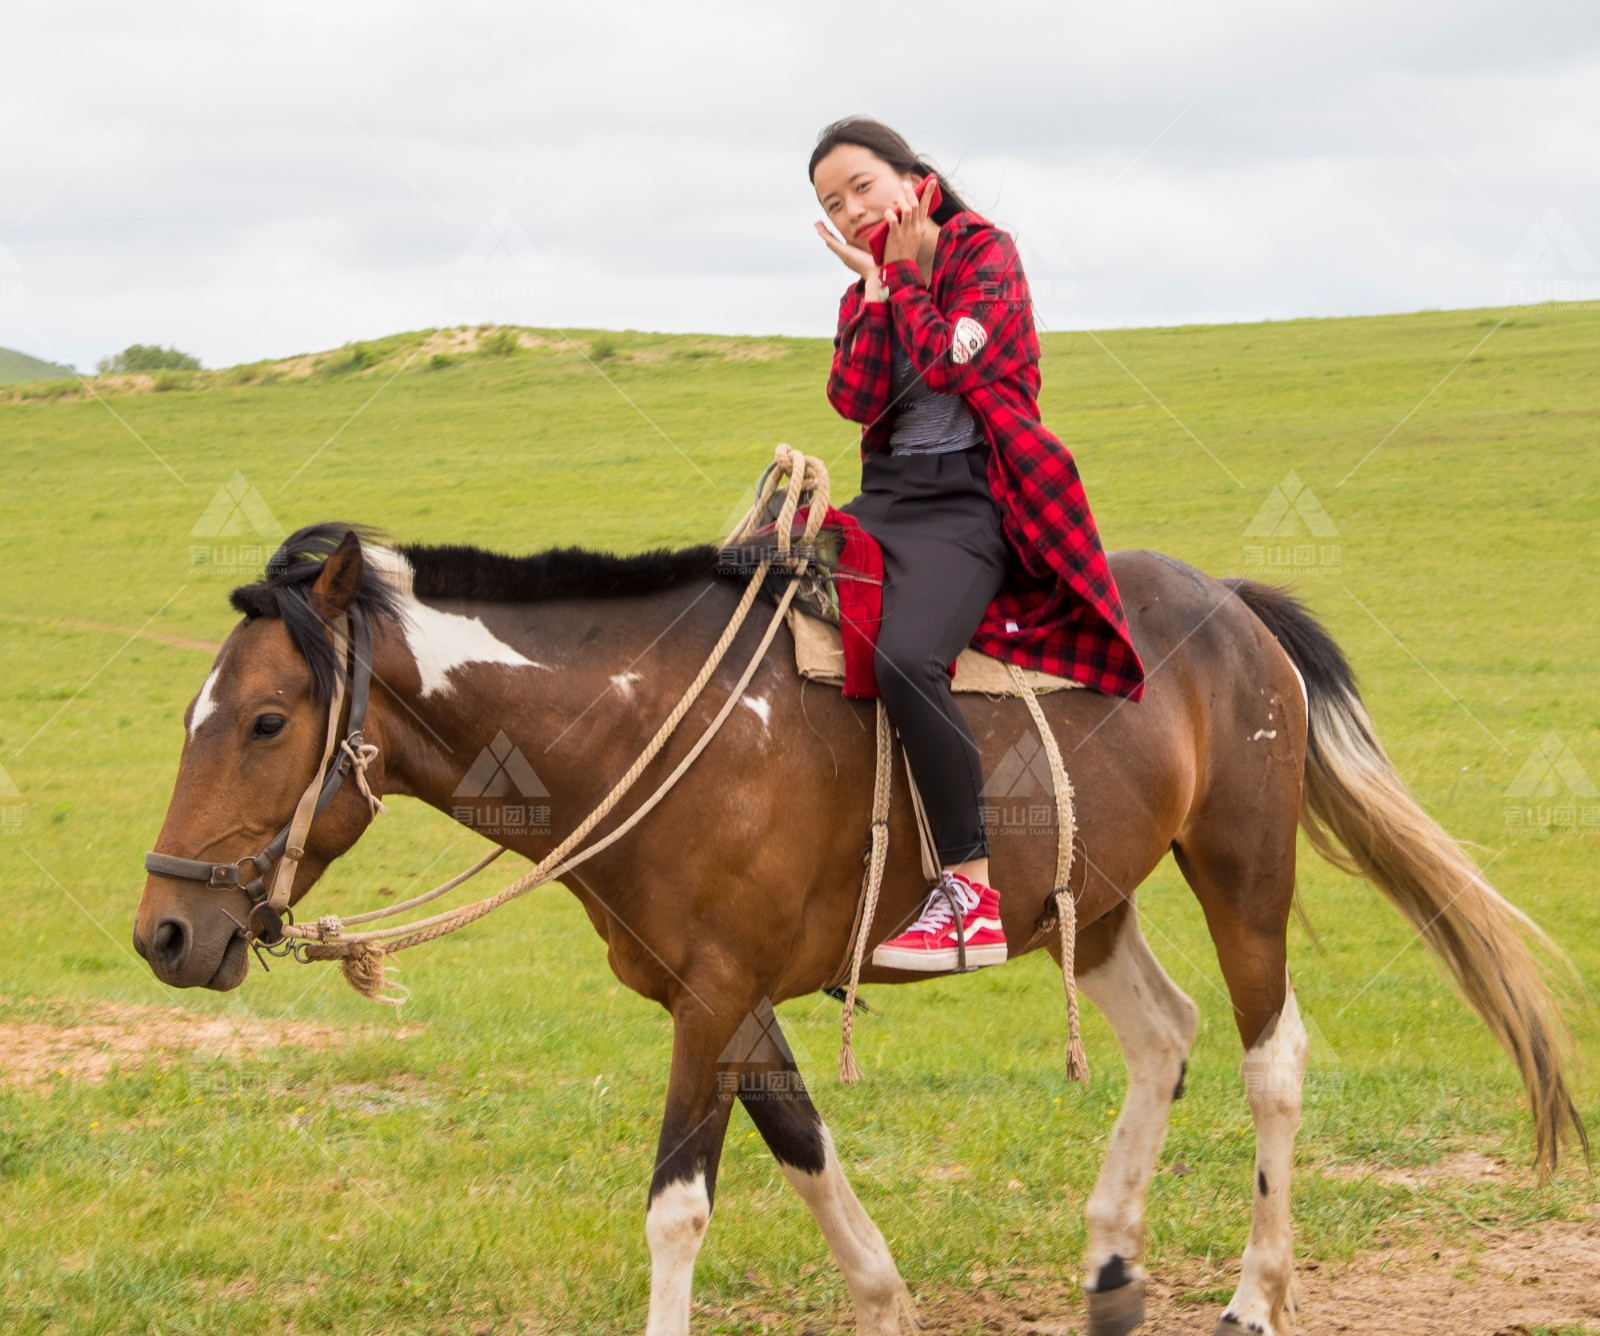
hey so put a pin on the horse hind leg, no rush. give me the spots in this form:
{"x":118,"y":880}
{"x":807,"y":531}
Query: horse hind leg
{"x":1245,"y":886}
{"x":1155,"y":1024}
{"x":775,"y":1097}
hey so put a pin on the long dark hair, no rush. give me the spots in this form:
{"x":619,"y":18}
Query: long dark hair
{"x":891,"y":146}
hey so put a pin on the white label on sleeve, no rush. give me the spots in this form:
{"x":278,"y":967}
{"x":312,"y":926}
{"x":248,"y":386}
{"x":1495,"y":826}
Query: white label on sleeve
{"x":968,"y":338}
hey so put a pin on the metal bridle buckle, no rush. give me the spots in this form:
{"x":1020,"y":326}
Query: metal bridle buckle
{"x":271,"y":929}
{"x":276,"y":945}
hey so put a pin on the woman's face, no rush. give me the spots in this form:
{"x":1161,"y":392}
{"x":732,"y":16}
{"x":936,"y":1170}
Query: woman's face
{"x":854,"y":186}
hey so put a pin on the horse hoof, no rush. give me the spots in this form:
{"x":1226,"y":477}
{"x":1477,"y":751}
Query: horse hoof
{"x":1116,"y":1312}
{"x":1232,"y":1326}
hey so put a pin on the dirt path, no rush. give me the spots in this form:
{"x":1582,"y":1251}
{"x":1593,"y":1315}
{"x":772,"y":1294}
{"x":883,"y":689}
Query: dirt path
{"x":110,"y":628}
{"x":82,"y":1042}
{"x":1510,"y":1283}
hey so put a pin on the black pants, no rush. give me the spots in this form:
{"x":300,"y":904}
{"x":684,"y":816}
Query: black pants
{"x":944,"y":559}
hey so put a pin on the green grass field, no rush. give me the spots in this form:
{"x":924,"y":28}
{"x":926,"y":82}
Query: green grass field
{"x":480,"y":1160}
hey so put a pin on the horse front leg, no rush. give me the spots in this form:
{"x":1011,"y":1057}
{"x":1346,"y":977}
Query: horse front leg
{"x":775,"y":1097}
{"x":683,"y":1186}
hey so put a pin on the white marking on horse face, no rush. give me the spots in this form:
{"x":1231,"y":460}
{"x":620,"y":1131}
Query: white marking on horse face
{"x":675,"y":1224}
{"x":761,"y":706}
{"x":205,"y":703}
{"x":623,"y":682}
{"x":1263,"y":733}
{"x":440,"y":641}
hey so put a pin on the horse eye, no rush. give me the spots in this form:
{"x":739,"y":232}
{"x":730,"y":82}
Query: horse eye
{"x":269,"y":725}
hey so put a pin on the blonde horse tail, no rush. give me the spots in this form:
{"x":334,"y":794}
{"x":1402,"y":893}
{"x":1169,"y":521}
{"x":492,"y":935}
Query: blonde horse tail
{"x":1360,"y":816}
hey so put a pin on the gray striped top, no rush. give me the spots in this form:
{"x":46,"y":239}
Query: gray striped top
{"x":926,"y":423}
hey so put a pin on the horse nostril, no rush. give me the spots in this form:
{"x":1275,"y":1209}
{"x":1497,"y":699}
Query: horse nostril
{"x":170,"y":943}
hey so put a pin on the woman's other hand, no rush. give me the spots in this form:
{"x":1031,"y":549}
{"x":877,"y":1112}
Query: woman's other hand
{"x":856,"y":260}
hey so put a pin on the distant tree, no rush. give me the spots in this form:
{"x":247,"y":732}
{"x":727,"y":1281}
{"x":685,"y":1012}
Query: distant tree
{"x":148,"y":357}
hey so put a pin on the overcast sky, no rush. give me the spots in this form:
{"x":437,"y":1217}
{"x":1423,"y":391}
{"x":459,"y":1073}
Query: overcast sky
{"x":248,"y":180}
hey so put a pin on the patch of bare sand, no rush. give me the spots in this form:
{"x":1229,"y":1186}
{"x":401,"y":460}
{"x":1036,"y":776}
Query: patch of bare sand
{"x":1506,"y":1282}
{"x":721,"y":350}
{"x":83,"y":1042}
{"x":1463,"y":1166}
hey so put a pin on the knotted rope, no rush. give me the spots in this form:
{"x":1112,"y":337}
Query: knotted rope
{"x":1066,"y":906}
{"x":362,"y":955}
{"x":360,"y":758}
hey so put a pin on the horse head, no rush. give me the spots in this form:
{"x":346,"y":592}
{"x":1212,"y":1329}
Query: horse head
{"x":259,"y":751}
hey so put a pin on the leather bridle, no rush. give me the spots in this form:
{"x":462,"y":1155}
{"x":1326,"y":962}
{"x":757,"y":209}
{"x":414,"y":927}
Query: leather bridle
{"x":352,"y":639}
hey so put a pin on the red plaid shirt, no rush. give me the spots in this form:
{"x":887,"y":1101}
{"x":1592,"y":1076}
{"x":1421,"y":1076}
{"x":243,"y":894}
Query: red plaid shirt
{"x":973,"y":335}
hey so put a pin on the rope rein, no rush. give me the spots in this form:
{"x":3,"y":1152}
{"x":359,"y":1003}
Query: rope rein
{"x":365,"y":957}
{"x":362,"y":955}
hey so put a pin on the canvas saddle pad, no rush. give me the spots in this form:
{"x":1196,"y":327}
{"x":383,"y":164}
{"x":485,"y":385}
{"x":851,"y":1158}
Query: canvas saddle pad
{"x":813,"y":620}
{"x":819,"y":655}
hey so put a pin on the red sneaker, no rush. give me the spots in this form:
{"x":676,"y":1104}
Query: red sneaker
{"x":932,"y":943}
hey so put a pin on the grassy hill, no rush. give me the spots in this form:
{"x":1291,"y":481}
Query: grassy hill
{"x":15,"y":366}
{"x":487,"y":1163}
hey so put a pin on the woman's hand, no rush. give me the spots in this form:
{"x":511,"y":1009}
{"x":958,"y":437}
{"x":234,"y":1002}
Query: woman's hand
{"x":908,"y":220}
{"x":856,"y":260}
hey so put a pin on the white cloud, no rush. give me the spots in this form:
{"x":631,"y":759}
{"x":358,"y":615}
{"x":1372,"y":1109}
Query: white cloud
{"x":286,"y":178}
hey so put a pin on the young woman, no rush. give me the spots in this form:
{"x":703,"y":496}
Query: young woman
{"x":986,"y":535}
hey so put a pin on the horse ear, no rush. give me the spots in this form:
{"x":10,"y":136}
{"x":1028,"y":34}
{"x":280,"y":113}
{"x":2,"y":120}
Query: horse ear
{"x":339,"y":581}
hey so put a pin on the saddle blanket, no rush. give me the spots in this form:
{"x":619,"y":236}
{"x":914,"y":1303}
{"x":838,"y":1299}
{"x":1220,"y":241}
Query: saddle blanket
{"x":841,"y":651}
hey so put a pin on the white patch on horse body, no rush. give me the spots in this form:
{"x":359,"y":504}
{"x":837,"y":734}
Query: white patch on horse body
{"x":440,"y":641}
{"x":205,"y":703}
{"x":1305,"y":695}
{"x":1263,"y":733}
{"x":675,"y":1225}
{"x":1273,"y":1070}
{"x":869,"y":1270}
{"x":761,"y":706}
{"x":623,"y":682}
{"x":1155,"y":1024}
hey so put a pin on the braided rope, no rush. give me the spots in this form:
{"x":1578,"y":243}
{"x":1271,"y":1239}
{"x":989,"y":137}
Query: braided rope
{"x":849,"y":1071}
{"x":1066,"y":906}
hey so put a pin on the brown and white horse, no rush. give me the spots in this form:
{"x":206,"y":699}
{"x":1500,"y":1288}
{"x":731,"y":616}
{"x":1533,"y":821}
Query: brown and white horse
{"x":739,"y":890}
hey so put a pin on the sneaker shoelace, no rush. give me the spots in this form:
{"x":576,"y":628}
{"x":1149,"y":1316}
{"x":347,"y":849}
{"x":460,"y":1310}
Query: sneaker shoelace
{"x":937,"y":913}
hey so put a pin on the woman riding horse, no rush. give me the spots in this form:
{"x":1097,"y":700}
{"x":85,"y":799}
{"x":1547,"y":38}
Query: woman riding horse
{"x":986,"y":535}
